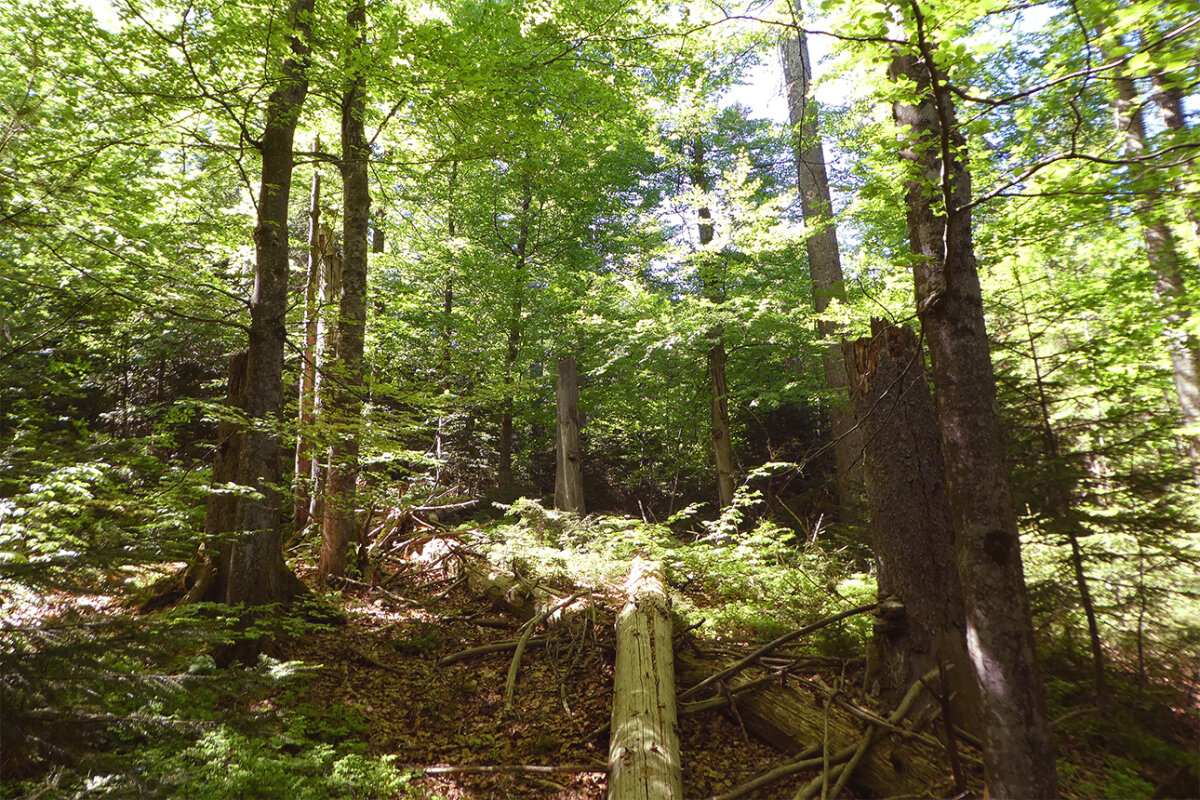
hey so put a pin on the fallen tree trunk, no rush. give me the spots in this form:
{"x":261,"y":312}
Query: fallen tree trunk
{"x":786,"y":718}
{"x":643,"y":754}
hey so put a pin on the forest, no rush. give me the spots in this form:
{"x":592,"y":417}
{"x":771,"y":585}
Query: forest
{"x":497,"y":399}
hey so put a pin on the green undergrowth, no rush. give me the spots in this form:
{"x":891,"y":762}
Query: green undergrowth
{"x":758,"y":582}
{"x":129,"y":706}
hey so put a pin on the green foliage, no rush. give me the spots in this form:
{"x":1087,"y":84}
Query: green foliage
{"x":756,"y":583}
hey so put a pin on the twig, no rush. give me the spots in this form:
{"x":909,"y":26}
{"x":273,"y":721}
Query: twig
{"x":483,"y":650}
{"x":510,"y":686}
{"x":450,"y":588}
{"x":803,"y":761}
{"x":787,"y":637}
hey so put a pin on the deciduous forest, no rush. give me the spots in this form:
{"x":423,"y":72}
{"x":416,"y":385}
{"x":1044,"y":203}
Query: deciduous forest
{"x":490,"y":399}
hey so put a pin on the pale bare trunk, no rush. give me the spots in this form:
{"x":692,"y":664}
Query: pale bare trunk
{"x":568,"y":478}
{"x":308,"y":366}
{"x":824,"y":265}
{"x":507,"y":487}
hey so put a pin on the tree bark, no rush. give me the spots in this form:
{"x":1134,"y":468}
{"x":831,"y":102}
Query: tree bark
{"x":1019,"y":753}
{"x":921,"y":622}
{"x":720,"y":430}
{"x":308,"y":367}
{"x":824,"y":265}
{"x":325,"y":356}
{"x":251,"y":569}
{"x":338,"y":531}
{"x":643,"y":754}
{"x":568,"y":478}
{"x":788,"y":719}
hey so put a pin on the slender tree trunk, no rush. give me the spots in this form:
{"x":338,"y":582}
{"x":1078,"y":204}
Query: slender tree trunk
{"x":1058,"y":499}
{"x":339,"y":531}
{"x":325,"y":355}
{"x":824,"y":265}
{"x":507,"y":488}
{"x":251,"y":569}
{"x":720,"y":431}
{"x":308,"y":366}
{"x":920,"y":623}
{"x":1019,"y":756}
{"x":447,"y":328}
{"x":568,"y":476}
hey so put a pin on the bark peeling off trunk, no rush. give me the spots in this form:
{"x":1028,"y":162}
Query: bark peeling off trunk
{"x":644,"y":751}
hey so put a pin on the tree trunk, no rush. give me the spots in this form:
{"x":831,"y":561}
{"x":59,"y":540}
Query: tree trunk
{"x":326,"y":355}
{"x":719,"y":433}
{"x":308,"y":366}
{"x":643,"y":754}
{"x":786,"y":717}
{"x":251,"y":569}
{"x":568,"y":477}
{"x":824,"y":265}
{"x":920,"y":623}
{"x":507,"y":488}
{"x":1019,"y":753}
{"x":1162,"y":254}
{"x":338,"y":531}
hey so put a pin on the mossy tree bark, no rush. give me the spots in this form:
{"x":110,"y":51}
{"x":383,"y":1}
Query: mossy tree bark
{"x":250,"y":568}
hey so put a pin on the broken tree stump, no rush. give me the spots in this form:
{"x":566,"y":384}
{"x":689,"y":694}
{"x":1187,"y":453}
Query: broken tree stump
{"x":643,"y":755}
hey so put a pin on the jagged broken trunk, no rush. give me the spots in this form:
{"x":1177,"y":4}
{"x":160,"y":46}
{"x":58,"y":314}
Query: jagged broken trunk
{"x":920,"y":622}
{"x":568,"y":477}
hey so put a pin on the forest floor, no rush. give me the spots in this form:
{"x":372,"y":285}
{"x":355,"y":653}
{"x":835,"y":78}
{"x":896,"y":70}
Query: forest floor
{"x":382,"y":666}
{"x":373,"y":682}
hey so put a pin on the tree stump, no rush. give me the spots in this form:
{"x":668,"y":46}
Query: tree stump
{"x":643,"y":757}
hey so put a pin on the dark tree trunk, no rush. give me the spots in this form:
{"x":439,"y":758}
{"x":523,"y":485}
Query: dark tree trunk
{"x":338,"y":531}
{"x":720,"y":430}
{"x":568,"y":477}
{"x":251,"y":569}
{"x":824,"y":265}
{"x":1019,"y":754}
{"x":920,"y":623}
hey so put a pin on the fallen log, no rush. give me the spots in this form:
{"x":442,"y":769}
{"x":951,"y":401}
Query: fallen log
{"x":786,"y":718}
{"x":643,"y":755}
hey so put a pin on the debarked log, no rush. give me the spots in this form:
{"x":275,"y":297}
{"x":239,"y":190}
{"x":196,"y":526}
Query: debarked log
{"x":643,"y":755}
{"x":788,"y":719}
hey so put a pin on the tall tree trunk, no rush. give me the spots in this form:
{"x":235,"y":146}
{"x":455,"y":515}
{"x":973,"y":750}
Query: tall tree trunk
{"x":308,"y":367}
{"x":507,"y":487}
{"x":824,"y":265}
{"x":920,"y":623}
{"x":338,"y":531}
{"x":1162,"y":254}
{"x":325,"y":354}
{"x":447,"y":328}
{"x":568,"y":475}
{"x":251,"y":569}
{"x":1019,"y":757}
{"x":719,"y":432}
